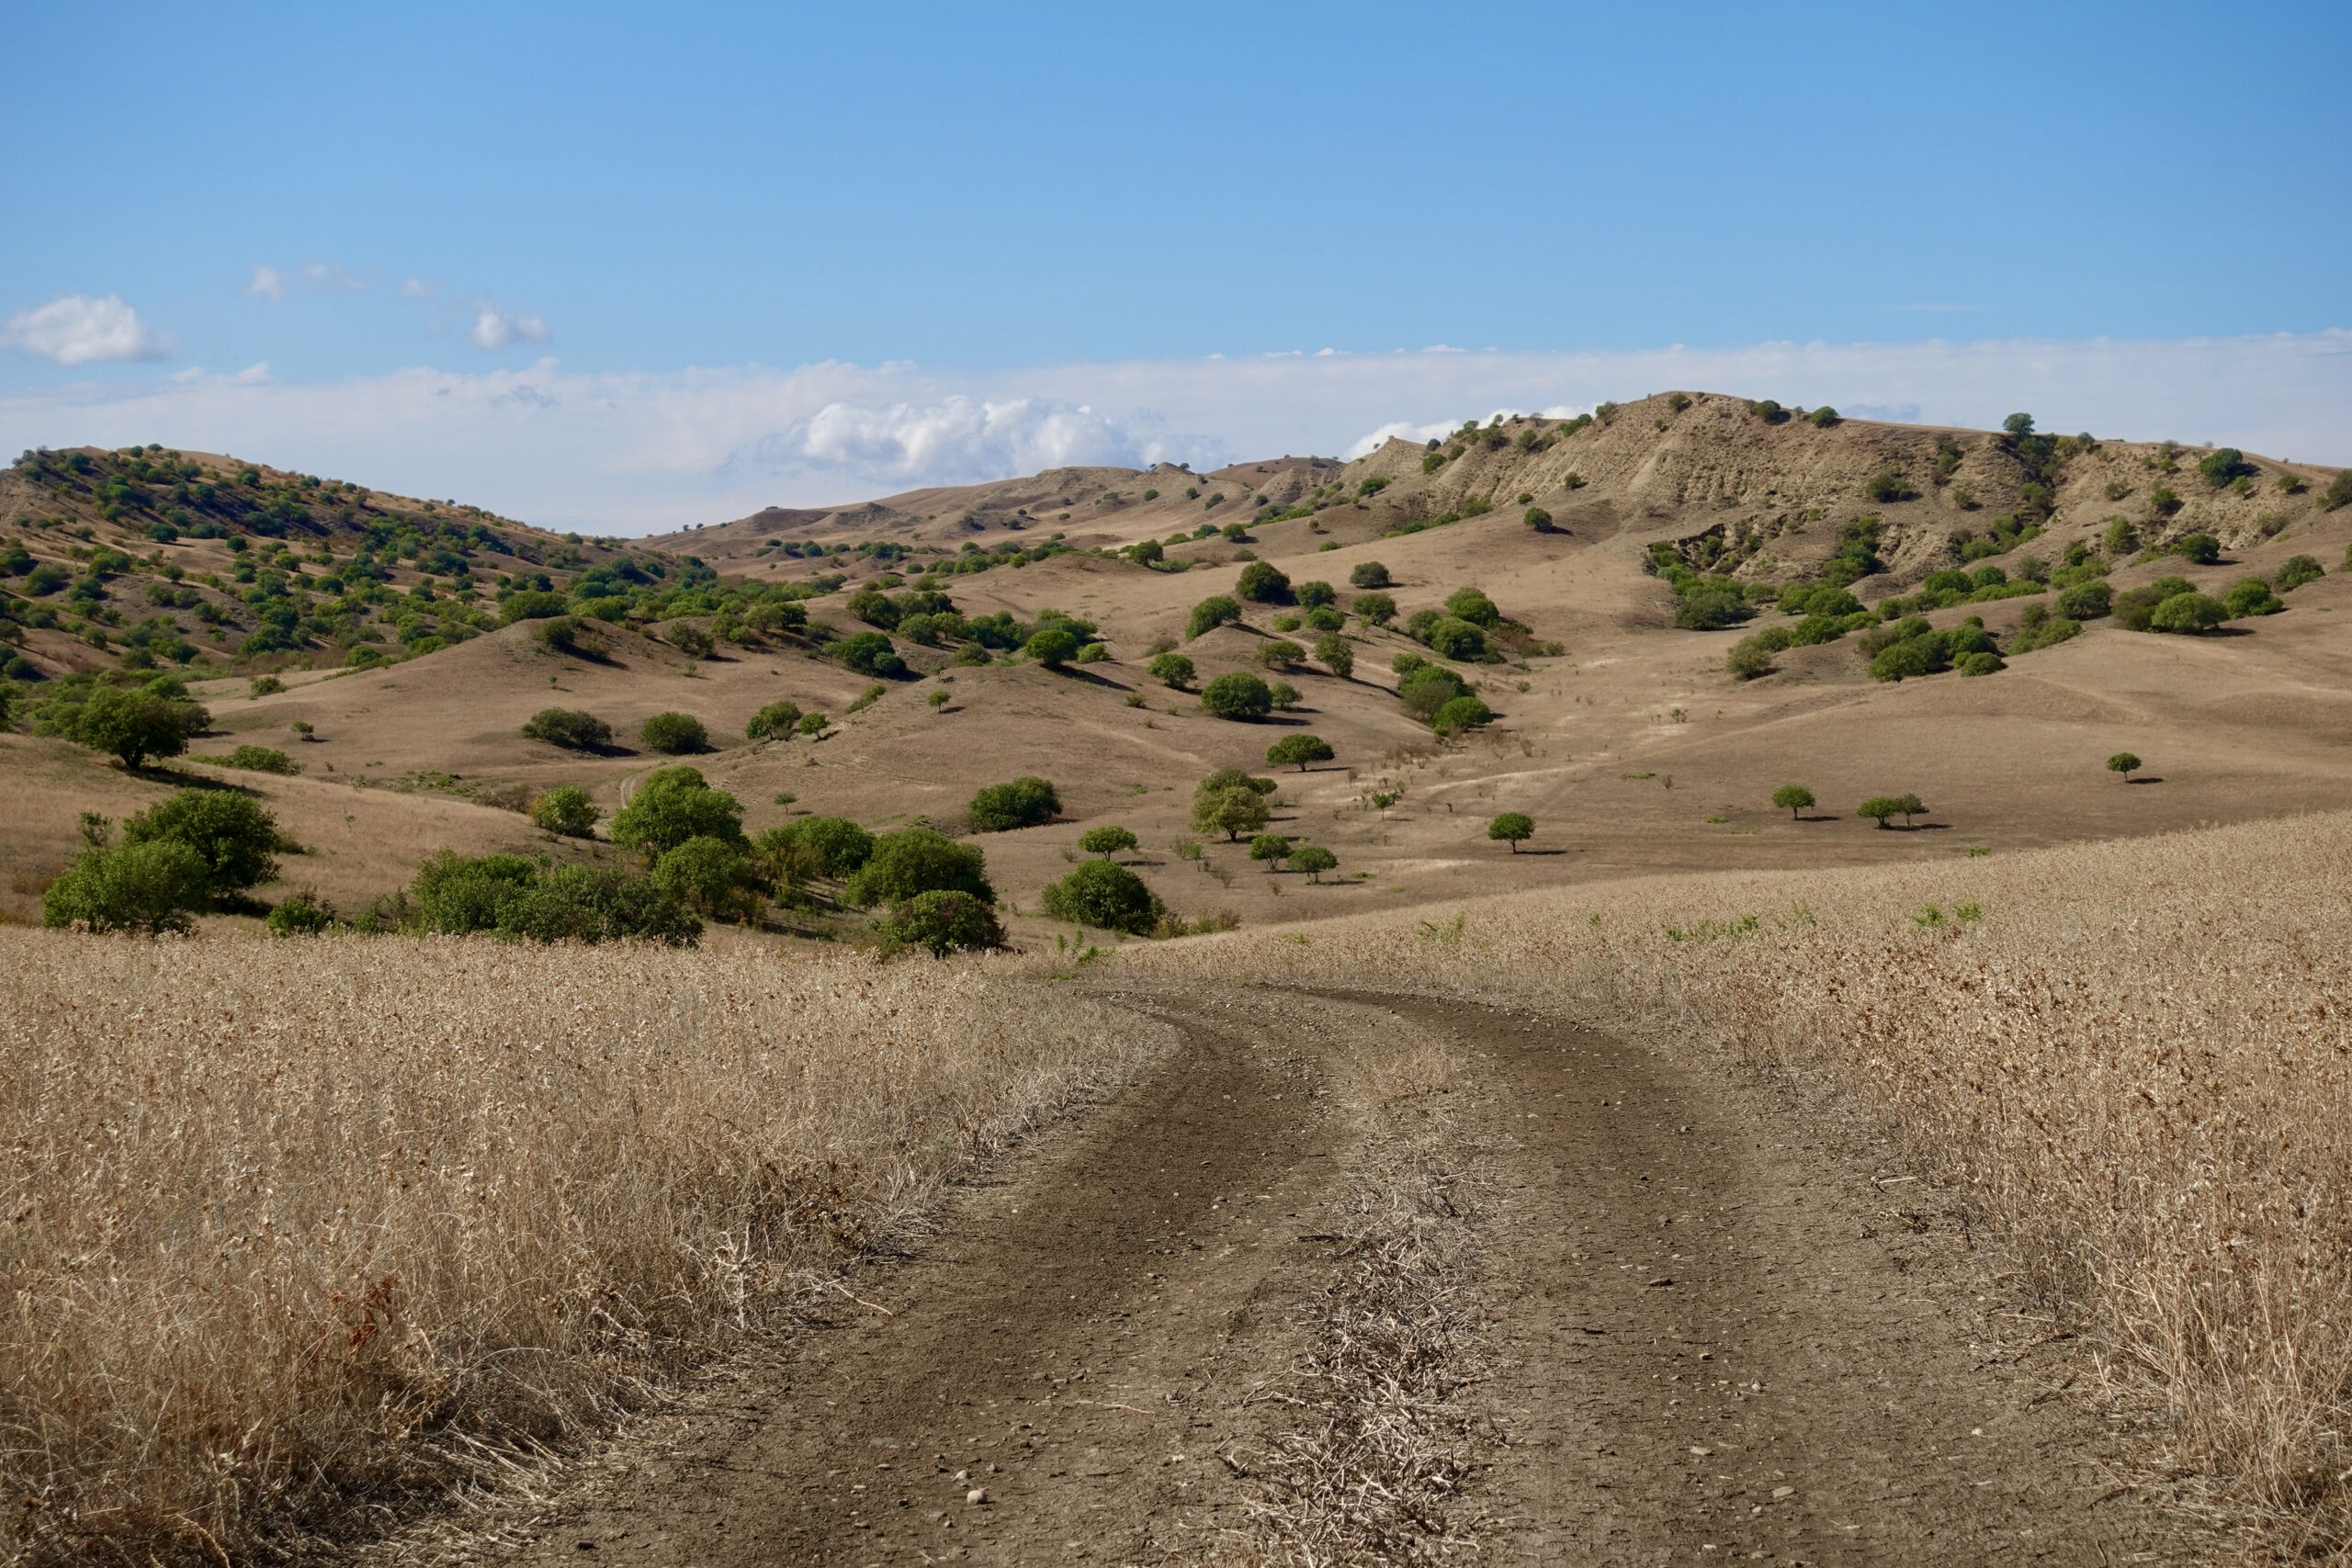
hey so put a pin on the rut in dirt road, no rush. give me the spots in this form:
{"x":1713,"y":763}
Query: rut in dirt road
{"x":1697,"y":1351}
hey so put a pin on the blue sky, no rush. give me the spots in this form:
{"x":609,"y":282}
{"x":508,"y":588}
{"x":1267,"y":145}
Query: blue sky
{"x":335,"y":198}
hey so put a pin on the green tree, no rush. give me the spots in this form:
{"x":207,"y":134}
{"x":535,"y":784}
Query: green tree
{"x":1107,"y":839}
{"x":1171,"y":670}
{"x":1233,"y":811}
{"x":302,"y":913}
{"x":2125,"y":764}
{"x":709,"y":875}
{"x":568,"y":810}
{"x":1103,"y":893}
{"x":674,"y":734}
{"x":1210,"y":613}
{"x":1470,"y":604}
{"x":231,"y":833}
{"x":1879,"y":807}
{"x":868,"y":653}
{"x":2251,"y":596}
{"x":136,"y":725}
{"x":2338,"y":493}
{"x":1238,"y":696}
{"x":914,"y":860}
{"x":1024,"y":803}
{"x":2019,"y":424}
{"x":1282,"y":694}
{"x":1051,"y":646}
{"x":2197,"y":550}
{"x":568,"y":727}
{"x":1793,"y":798}
{"x":1368,"y":574}
{"x":2222,"y":465}
{"x":1512,"y":827}
{"x":1313,"y":859}
{"x":831,"y":847}
{"x":2188,"y":613}
{"x":1460,"y":713}
{"x":1332,"y":652}
{"x":1259,"y":580}
{"x":2086,"y":601}
{"x":1374,"y":609}
{"x":1750,"y":658}
{"x":1300,"y":749}
{"x":774,"y":721}
{"x":1538,"y":519}
{"x":1910,"y":806}
{"x":2296,"y":571}
{"x":943,"y":920}
{"x":151,"y":888}
{"x":674,"y":805}
{"x":1272,"y":848}
{"x":1280,"y":653}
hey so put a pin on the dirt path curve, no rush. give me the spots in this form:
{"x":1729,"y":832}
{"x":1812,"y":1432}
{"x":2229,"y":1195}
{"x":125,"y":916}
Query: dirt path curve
{"x":1700,"y":1353}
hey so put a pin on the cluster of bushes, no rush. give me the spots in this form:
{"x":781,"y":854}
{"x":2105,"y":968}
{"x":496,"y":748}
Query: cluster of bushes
{"x":517,"y":897}
{"x":1233,"y":803}
{"x":1465,"y":631}
{"x":2003,"y":535}
{"x":1026,"y":802}
{"x":1705,"y":602}
{"x":134,"y":723}
{"x":1910,"y":647}
{"x":1437,"y":697}
{"x":194,"y":850}
{"x":1985,"y":586}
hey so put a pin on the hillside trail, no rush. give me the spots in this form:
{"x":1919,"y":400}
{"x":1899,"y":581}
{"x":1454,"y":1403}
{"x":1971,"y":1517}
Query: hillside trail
{"x":1702,"y":1339}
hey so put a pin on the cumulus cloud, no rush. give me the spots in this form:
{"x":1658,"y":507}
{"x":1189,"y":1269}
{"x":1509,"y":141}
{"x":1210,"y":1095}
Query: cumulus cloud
{"x":269,"y":283}
{"x":78,"y":330}
{"x":494,"y":328}
{"x":416,"y":288}
{"x":642,"y":452}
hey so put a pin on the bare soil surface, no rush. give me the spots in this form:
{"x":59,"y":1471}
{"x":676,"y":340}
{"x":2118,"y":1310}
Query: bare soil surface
{"x":1708,"y":1337}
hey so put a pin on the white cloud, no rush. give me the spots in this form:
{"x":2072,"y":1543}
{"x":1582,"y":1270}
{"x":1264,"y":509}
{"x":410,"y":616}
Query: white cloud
{"x":1373,"y":441}
{"x":639,"y":452}
{"x":78,"y":330}
{"x":494,"y":328}
{"x":416,"y":288}
{"x":269,"y":284}
{"x":253,"y":375}
{"x":330,"y":276}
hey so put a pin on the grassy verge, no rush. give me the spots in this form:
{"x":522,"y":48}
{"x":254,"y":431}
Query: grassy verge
{"x":2129,"y":1062}
{"x":300,"y":1234}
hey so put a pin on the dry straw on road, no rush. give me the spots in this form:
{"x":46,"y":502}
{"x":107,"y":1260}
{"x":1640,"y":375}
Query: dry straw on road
{"x":2128,"y":1064}
{"x":294,"y":1229}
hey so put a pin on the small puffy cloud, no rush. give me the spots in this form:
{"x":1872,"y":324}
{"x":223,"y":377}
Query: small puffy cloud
{"x":494,"y":328}
{"x":958,"y":439}
{"x":416,"y":288}
{"x":331,"y":276}
{"x":269,"y":283}
{"x":78,"y":330}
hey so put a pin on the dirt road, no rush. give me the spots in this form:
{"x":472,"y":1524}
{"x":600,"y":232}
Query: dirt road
{"x":1703,"y":1340}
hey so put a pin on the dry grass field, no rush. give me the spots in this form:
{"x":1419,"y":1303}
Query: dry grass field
{"x":297,"y":1236}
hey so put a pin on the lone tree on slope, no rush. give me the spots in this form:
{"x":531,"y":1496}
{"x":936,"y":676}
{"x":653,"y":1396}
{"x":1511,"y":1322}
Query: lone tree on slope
{"x":1299,"y":748}
{"x":1511,"y":827}
{"x":2123,"y":762}
{"x":1793,"y":798}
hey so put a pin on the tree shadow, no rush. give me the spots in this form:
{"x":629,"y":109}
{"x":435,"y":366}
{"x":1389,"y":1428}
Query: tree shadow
{"x":1074,"y":672}
{"x":2146,"y":781}
{"x":1517,"y":853}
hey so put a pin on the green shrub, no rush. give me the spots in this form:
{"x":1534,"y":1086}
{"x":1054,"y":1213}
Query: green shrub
{"x":1822,"y":417}
{"x":1889,"y":487}
{"x":1816,"y":630}
{"x":2086,"y":601}
{"x":2251,"y":596}
{"x":580,"y":903}
{"x":2338,"y":491}
{"x":302,"y":913}
{"x":531,"y":605}
{"x":1105,"y":894}
{"x":944,"y":921}
{"x":1367,"y":574}
{"x":674,"y":805}
{"x":1460,"y":713}
{"x":1511,"y":828}
{"x":1333,"y":652}
{"x":261,"y":759}
{"x":1259,"y":580}
{"x":570,"y":728}
{"x":263,"y":686}
{"x":1171,"y":670}
{"x":1272,"y":848}
{"x":831,"y":847}
{"x":1300,"y":750}
{"x":1107,"y":839}
{"x":813,"y":724}
{"x":1751,"y":656}
{"x":1769,"y":409}
{"x":1313,"y":859}
{"x":1281,"y":653}
{"x":1911,"y":656}
{"x":1238,"y":696}
{"x":868,"y":653}
{"x":1026,"y":802}
{"x":1536,"y":518}
{"x":774,"y":721}
{"x":915,"y":861}
{"x":2188,"y":613}
{"x":1051,"y":646}
{"x":233,"y":835}
{"x":1470,"y":604}
{"x":690,"y":638}
{"x":2200,"y":550}
{"x":1312,"y":595}
{"x":1711,"y":610}
{"x":567,"y":634}
{"x":151,"y":888}
{"x":709,"y":875}
{"x":2296,"y":571}
{"x":1212,"y":613}
{"x":2135,"y":608}
{"x":1982,"y":662}
{"x":2046,"y":633}
{"x":2223,"y":464}
{"x":566,"y":809}
{"x":1374,"y":609}
{"x":1459,"y":641}
{"x":674,"y":734}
